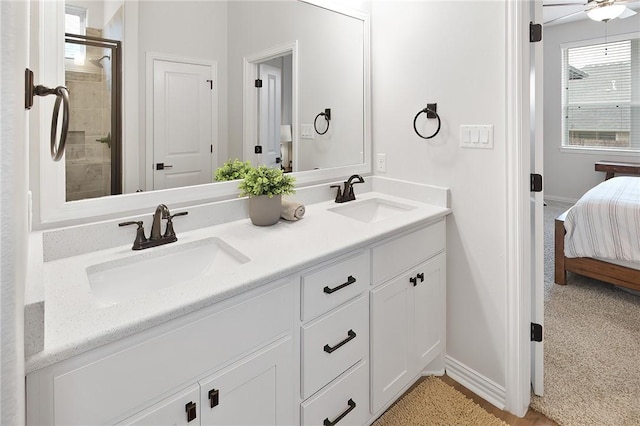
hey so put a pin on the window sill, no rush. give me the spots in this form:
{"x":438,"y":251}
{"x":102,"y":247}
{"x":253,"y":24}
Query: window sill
{"x":599,"y":151}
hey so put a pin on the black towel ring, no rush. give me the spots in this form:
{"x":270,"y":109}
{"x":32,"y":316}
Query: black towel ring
{"x":426,"y":111}
{"x":327,"y":116}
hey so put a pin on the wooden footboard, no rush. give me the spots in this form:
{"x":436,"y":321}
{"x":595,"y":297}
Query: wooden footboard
{"x":593,"y":268}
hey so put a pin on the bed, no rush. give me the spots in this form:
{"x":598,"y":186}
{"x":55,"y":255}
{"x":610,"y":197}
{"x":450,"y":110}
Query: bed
{"x":599,"y":237}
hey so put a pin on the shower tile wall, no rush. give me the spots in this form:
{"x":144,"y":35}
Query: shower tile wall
{"x":88,"y":154}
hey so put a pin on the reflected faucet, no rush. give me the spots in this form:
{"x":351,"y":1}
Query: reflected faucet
{"x":347,"y":193}
{"x":156,"y":238}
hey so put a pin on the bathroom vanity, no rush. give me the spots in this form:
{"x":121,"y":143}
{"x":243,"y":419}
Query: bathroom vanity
{"x":327,"y":320}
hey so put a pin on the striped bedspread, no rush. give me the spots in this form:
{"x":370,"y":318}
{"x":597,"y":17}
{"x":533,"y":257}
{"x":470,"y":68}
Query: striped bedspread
{"x":605,"y":222}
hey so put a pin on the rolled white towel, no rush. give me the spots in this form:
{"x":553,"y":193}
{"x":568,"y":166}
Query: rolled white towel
{"x":291,"y":210}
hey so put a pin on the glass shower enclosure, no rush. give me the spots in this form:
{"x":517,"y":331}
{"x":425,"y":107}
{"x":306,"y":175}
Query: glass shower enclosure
{"x":93,"y":75}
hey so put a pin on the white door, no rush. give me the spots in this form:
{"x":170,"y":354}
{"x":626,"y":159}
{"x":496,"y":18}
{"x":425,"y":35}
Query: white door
{"x":537,"y":207}
{"x":182,"y":124}
{"x":256,"y":391}
{"x":269,"y":112}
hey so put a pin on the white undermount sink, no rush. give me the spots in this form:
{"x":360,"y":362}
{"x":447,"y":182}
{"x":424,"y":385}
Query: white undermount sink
{"x":125,"y":279}
{"x":372,"y":210}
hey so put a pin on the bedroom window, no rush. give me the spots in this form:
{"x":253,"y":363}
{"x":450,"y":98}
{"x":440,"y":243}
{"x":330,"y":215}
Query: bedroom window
{"x":601,"y":95}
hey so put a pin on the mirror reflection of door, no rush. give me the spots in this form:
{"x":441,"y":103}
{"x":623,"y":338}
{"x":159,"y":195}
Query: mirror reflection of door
{"x":274,"y":113}
{"x":93,"y":159}
{"x":269,"y":115}
{"x":182,"y":124}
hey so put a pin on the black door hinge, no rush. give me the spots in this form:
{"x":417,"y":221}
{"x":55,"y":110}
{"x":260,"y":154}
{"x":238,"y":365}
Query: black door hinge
{"x":536,"y":182}
{"x":536,"y":332}
{"x":258,"y":83}
{"x":535,"y":32}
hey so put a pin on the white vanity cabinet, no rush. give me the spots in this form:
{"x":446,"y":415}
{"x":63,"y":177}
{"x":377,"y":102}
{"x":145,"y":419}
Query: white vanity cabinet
{"x":333,"y":344}
{"x":242,"y":347}
{"x":407,"y":311}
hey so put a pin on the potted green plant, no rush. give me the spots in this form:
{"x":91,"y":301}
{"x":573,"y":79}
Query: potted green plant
{"x":232,"y":170}
{"x":264,"y":186}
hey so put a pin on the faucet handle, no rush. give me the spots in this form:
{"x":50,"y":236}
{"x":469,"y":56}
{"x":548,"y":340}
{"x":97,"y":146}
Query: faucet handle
{"x":140,"y":237}
{"x":338,"y":194}
{"x":169,"y":232}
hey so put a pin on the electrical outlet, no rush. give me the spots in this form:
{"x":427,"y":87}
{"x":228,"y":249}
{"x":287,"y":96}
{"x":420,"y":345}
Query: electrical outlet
{"x":306,"y":131}
{"x":382,"y":162}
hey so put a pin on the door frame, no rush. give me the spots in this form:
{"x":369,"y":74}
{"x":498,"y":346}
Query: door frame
{"x":519,"y":239}
{"x":250,"y":96}
{"x":147,"y":155}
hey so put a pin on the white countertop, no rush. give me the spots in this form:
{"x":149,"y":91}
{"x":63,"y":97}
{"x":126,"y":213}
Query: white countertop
{"x":75,"y":321}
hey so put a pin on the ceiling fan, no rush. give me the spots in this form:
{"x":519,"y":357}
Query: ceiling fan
{"x":598,"y":10}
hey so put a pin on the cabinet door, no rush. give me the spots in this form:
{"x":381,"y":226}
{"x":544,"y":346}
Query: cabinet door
{"x":428,"y":311}
{"x":257,"y":390}
{"x":392,"y":363}
{"x":177,"y":410}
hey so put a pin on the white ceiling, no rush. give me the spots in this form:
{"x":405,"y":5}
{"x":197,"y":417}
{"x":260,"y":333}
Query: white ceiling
{"x":553,"y":12}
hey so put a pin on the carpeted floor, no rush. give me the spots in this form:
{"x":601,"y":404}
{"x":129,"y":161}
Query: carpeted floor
{"x":435,"y":403}
{"x":592,"y":348}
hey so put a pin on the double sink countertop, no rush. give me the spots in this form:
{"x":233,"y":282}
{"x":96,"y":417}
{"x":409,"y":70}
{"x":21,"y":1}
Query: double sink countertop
{"x":78,"y":318}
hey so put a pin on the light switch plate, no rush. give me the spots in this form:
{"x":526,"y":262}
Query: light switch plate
{"x":476,"y":136}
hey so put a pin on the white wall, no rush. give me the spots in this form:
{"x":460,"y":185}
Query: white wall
{"x":452,"y":54}
{"x":568,"y":175}
{"x":14,"y":48}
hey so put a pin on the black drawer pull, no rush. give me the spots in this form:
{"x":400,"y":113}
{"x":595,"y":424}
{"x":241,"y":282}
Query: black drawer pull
{"x":414,"y":281}
{"x":191,"y":411}
{"x":421,"y":276}
{"x":351,"y":404}
{"x":214,"y":397}
{"x":350,"y":333}
{"x":350,"y":280}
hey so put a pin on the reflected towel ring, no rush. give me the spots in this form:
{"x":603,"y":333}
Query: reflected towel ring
{"x":427,"y":111}
{"x":327,"y":116}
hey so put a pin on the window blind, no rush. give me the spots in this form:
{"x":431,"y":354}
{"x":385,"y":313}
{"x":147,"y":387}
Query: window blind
{"x":597,"y":95}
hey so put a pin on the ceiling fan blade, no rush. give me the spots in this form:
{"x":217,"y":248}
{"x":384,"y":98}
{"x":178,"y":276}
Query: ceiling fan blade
{"x":579,"y":3}
{"x":564,"y":17}
{"x":627,"y":12}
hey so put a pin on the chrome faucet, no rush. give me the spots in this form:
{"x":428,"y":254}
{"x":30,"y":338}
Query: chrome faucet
{"x":157,"y":238}
{"x":347,"y":193}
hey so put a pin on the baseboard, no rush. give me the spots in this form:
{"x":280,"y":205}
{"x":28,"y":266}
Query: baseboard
{"x":476,"y":382}
{"x":560,"y":199}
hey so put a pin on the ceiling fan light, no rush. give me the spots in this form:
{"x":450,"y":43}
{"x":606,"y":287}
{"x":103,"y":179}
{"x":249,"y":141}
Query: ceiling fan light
{"x":606,"y":12}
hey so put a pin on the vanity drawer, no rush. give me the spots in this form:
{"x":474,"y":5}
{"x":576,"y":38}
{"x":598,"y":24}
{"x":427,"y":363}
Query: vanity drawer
{"x":333,"y":285}
{"x":333,"y":343}
{"x":396,"y":256}
{"x":347,"y":397}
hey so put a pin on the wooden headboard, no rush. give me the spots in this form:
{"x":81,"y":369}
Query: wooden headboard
{"x":611,"y":168}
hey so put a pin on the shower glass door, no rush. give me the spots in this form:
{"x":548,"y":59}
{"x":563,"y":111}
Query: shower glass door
{"x":93,"y":158}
